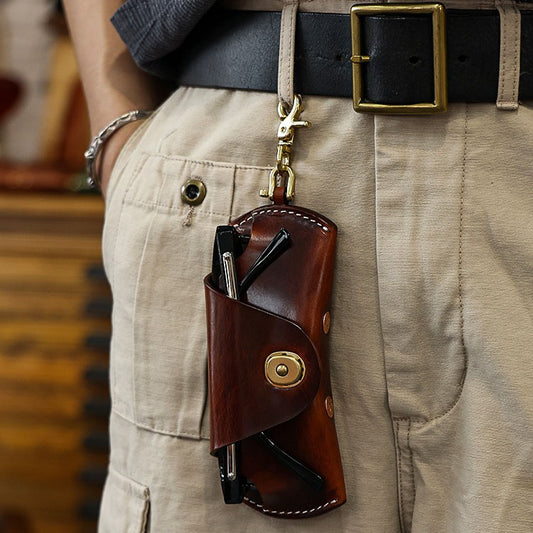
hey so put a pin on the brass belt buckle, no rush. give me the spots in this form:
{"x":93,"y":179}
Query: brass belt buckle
{"x":438,"y":15}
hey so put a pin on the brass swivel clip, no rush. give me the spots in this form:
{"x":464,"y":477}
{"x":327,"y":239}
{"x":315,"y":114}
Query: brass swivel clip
{"x":282,"y":172}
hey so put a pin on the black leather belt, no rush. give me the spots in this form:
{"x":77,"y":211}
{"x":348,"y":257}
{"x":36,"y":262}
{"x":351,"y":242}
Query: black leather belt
{"x":239,"y":50}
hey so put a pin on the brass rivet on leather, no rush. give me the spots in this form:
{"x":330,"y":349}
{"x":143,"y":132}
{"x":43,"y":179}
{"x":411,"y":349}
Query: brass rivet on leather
{"x":284,"y":369}
{"x":326,"y":322}
{"x":329,"y":406}
{"x":193,"y":191}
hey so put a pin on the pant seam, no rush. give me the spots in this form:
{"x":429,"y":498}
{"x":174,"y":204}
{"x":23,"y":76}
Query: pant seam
{"x":504,"y":53}
{"x":395,"y":424}
{"x":234,"y":187}
{"x":171,"y":433}
{"x":460,"y":279}
{"x":517,"y":29}
{"x":400,"y":481}
{"x":413,"y":484}
{"x":460,"y":253}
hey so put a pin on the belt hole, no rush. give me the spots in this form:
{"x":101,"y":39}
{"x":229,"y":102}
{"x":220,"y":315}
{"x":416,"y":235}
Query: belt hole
{"x":462,"y":58}
{"x":414,"y":60}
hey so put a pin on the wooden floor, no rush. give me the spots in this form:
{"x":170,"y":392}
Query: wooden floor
{"x":54,"y":336}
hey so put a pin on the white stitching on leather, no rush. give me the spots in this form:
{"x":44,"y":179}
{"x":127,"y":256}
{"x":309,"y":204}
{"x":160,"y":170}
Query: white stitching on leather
{"x":509,"y":73}
{"x":271,"y":511}
{"x":269,"y":211}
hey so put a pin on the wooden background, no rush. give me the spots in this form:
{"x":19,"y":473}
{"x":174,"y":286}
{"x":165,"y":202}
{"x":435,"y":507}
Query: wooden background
{"x":54,"y":337}
{"x":55,"y":303}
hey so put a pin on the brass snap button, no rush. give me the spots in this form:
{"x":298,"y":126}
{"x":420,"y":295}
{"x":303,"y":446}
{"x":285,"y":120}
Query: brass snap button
{"x":193,"y":191}
{"x":284,"y":369}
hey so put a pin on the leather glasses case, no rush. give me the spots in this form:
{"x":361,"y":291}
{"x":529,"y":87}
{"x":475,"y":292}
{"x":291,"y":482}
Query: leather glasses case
{"x":269,"y":376}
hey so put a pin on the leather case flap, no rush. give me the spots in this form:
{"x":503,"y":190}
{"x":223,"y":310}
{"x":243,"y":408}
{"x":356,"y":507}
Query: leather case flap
{"x":240,"y":338}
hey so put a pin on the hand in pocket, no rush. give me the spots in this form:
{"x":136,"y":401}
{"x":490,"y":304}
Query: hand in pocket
{"x":110,"y":152}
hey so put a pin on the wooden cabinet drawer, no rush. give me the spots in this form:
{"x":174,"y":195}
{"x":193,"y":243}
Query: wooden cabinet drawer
{"x":53,"y":337}
{"x":61,"y":404}
{"x":60,"y":372}
{"x":89,"y":304}
{"x":55,"y":328}
{"x":49,"y":274}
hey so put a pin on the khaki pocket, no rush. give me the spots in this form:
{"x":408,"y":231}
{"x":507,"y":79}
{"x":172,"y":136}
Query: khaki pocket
{"x":124,"y":157}
{"x":125,"y":505}
{"x":126,"y":173}
{"x":128,"y":164}
{"x":163,"y":251}
{"x":169,"y":316}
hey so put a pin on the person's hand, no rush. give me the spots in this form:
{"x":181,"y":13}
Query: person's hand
{"x":110,"y":152}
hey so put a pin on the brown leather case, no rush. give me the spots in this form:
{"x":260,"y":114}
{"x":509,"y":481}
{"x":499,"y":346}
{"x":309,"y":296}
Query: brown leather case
{"x":285,"y":309}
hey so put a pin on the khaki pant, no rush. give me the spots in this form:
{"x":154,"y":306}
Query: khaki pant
{"x":432,"y":321}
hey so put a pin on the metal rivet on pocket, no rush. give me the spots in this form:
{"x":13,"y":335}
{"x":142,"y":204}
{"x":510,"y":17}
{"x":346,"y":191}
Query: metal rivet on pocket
{"x":193,"y":191}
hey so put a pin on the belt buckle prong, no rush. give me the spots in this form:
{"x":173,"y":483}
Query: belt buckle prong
{"x":438,"y":16}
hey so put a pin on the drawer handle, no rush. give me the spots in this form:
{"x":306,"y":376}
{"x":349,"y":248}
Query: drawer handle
{"x":98,"y":341}
{"x":95,"y":272}
{"x":93,"y":475}
{"x":96,"y":441}
{"x":96,"y":374}
{"x":89,"y":509}
{"x":98,"y":307}
{"x":97,"y":407}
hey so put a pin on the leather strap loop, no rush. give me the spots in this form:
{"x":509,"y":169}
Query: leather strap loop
{"x":286,"y":53}
{"x":509,"y":78}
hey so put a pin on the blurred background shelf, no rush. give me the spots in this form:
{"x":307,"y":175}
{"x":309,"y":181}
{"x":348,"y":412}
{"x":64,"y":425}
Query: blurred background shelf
{"x":55,"y":303}
{"x":55,"y":309}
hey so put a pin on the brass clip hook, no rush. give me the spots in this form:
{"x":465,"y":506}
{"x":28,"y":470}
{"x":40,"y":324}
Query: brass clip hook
{"x":283,"y":172}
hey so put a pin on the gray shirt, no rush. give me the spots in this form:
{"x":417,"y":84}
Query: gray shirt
{"x":152,"y":29}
